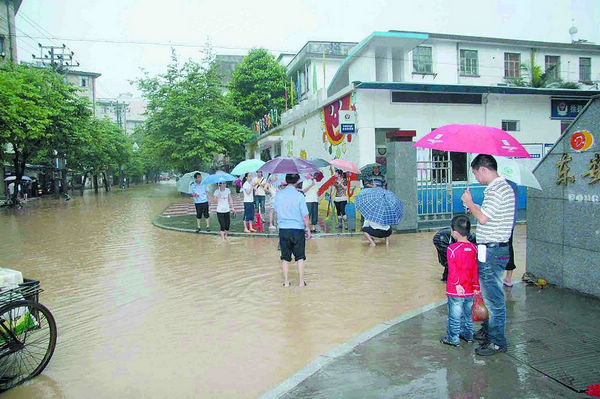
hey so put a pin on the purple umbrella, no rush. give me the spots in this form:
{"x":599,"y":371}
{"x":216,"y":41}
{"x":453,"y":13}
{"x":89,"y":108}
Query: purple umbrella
{"x":288,"y":165}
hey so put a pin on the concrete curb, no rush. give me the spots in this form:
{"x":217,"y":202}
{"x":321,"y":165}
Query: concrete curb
{"x":341,"y":350}
{"x":156,"y":223}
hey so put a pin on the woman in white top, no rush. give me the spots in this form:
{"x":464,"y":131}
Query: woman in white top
{"x":248,"y":190}
{"x":224,"y":206}
{"x":376,"y":230}
{"x":310,"y":190}
{"x":340,"y":200}
{"x":271,"y":189}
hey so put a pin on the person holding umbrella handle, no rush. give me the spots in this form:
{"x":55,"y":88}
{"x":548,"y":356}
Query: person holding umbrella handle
{"x":494,"y":226}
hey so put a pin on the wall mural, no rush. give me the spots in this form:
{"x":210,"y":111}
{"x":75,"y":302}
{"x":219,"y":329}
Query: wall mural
{"x":330,"y":124}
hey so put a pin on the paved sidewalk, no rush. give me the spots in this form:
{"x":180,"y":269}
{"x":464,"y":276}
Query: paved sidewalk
{"x":553,"y":331}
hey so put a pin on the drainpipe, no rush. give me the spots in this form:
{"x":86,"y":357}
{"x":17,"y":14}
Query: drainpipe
{"x":458,"y":62}
{"x":484,"y":100}
{"x":11,"y":38}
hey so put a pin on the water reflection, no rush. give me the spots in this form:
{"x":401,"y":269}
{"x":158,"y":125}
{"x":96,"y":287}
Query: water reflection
{"x":145,"y":312}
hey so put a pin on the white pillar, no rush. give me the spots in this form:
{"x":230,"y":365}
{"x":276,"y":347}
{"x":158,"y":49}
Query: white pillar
{"x":367,"y":148}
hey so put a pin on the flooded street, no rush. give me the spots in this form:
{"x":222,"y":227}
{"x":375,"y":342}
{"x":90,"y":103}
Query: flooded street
{"x":144,"y":312}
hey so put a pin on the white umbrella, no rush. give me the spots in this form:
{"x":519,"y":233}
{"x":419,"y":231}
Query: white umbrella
{"x":13,"y":178}
{"x":517,"y":170}
{"x":183,"y":184}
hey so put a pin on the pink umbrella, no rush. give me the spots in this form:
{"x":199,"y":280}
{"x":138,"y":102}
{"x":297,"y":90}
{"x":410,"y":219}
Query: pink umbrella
{"x":345,"y":166}
{"x":474,"y":139}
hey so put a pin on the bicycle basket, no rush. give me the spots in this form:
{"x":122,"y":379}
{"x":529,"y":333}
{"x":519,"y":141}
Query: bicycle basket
{"x":28,"y":290}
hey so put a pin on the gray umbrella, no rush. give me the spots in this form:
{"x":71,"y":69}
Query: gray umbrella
{"x":319,"y":162}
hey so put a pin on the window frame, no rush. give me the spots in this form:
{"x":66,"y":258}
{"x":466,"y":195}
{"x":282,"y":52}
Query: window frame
{"x":463,"y":61}
{"x":418,"y":59}
{"x":556,"y":71}
{"x":516,"y":122}
{"x":589,"y":70}
{"x":507,"y":65}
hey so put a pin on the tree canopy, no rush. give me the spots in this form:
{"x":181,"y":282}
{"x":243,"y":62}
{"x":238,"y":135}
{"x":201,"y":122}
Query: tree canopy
{"x":43,"y":117}
{"x":258,"y":85}
{"x":189,"y":119}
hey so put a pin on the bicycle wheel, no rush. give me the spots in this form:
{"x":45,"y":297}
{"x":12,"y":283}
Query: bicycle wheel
{"x":27,"y":341}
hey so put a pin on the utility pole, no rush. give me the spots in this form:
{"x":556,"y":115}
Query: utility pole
{"x":121,"y":113}
{"x":59,"y":58}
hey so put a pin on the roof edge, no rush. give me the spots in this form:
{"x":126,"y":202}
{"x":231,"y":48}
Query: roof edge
{"x":363,"y":44}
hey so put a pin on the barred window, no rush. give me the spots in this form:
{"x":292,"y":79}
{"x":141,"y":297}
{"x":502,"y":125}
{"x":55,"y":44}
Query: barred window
{"x":468,"y":63}
{"x":553,"y":66}
{"x":585,"y":69}
{"x":512,"y":63}
{"x":510,"y":126}
{"x":422,"y":60}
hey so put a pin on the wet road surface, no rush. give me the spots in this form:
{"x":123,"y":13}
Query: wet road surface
{"x":146,"y":312}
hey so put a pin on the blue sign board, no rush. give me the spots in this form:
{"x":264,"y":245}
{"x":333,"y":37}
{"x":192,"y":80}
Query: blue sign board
{"x":347,"y":128}
{"x":566,"y":109}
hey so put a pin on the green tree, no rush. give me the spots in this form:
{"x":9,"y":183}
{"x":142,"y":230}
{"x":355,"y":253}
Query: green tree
{"x":258,"y":85}
{"x":189,"y":119}
{"x":145,"y":154}
{"x":532,"y":75}
{"x":107,"y":151}
{"x":39,"y":114}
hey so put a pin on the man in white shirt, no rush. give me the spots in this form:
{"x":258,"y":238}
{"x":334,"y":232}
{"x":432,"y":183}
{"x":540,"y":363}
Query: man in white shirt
{"x":494,"y":226}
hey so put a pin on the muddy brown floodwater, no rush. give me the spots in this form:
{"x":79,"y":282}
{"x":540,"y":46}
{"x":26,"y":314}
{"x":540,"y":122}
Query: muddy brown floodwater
{"x":149,"y":313}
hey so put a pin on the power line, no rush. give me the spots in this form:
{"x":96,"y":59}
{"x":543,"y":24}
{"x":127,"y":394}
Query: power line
{"x":47,"y":35}
{"x":195,"y":45}
{"x":35,"y":24}
{"x":22,"y":43}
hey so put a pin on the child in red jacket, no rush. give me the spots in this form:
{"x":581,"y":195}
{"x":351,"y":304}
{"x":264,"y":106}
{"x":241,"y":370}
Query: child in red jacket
{"x":462,"y":283}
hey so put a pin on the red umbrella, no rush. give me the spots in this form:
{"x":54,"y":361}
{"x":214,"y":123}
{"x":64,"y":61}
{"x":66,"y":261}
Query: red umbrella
{"x":474,"y":139}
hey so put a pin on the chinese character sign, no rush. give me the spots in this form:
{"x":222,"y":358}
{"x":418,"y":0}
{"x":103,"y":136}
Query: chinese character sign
{"x":563,"y":171}
{"x":566,"y":109}
{"x":593,"y":171}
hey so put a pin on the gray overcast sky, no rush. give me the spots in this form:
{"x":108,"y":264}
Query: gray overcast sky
{"x":279,"y":25}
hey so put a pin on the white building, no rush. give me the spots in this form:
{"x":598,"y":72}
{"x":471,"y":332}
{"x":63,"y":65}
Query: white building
{"x":417,"y":82}
{"x":85,"y":83}
{"x":125,"y":110}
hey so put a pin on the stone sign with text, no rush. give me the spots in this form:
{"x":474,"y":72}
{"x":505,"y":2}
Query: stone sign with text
{"x":563,"y":220}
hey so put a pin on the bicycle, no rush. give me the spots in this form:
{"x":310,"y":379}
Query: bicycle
{"x":27,"y":334}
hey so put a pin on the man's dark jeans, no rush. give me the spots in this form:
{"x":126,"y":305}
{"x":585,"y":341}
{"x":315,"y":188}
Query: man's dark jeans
{"x":490,"y":281}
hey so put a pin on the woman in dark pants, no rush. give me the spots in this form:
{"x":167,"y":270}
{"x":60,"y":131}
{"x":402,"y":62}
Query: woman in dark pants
{"x":340,"y":199}
{"x":510,"y":266}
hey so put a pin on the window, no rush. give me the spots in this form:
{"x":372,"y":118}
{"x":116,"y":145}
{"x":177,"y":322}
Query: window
{"x":468,"y":63}
{"x":510,"y":126}
{"x":512,"y":63}
{"x":84,"y":81}
{"x":585,"y":69}
{"x":435,"y":98}
{"x":459,"y":165}
{"x":553,"y":66}
{"x":422,"y":60}
{"x":277,"y":150}
{"x":2,"y":46}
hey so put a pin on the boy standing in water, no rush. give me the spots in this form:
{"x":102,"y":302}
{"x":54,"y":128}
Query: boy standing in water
{"x":462,"y":283}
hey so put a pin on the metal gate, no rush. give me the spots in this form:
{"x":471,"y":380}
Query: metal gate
{"x":434,"y":190}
